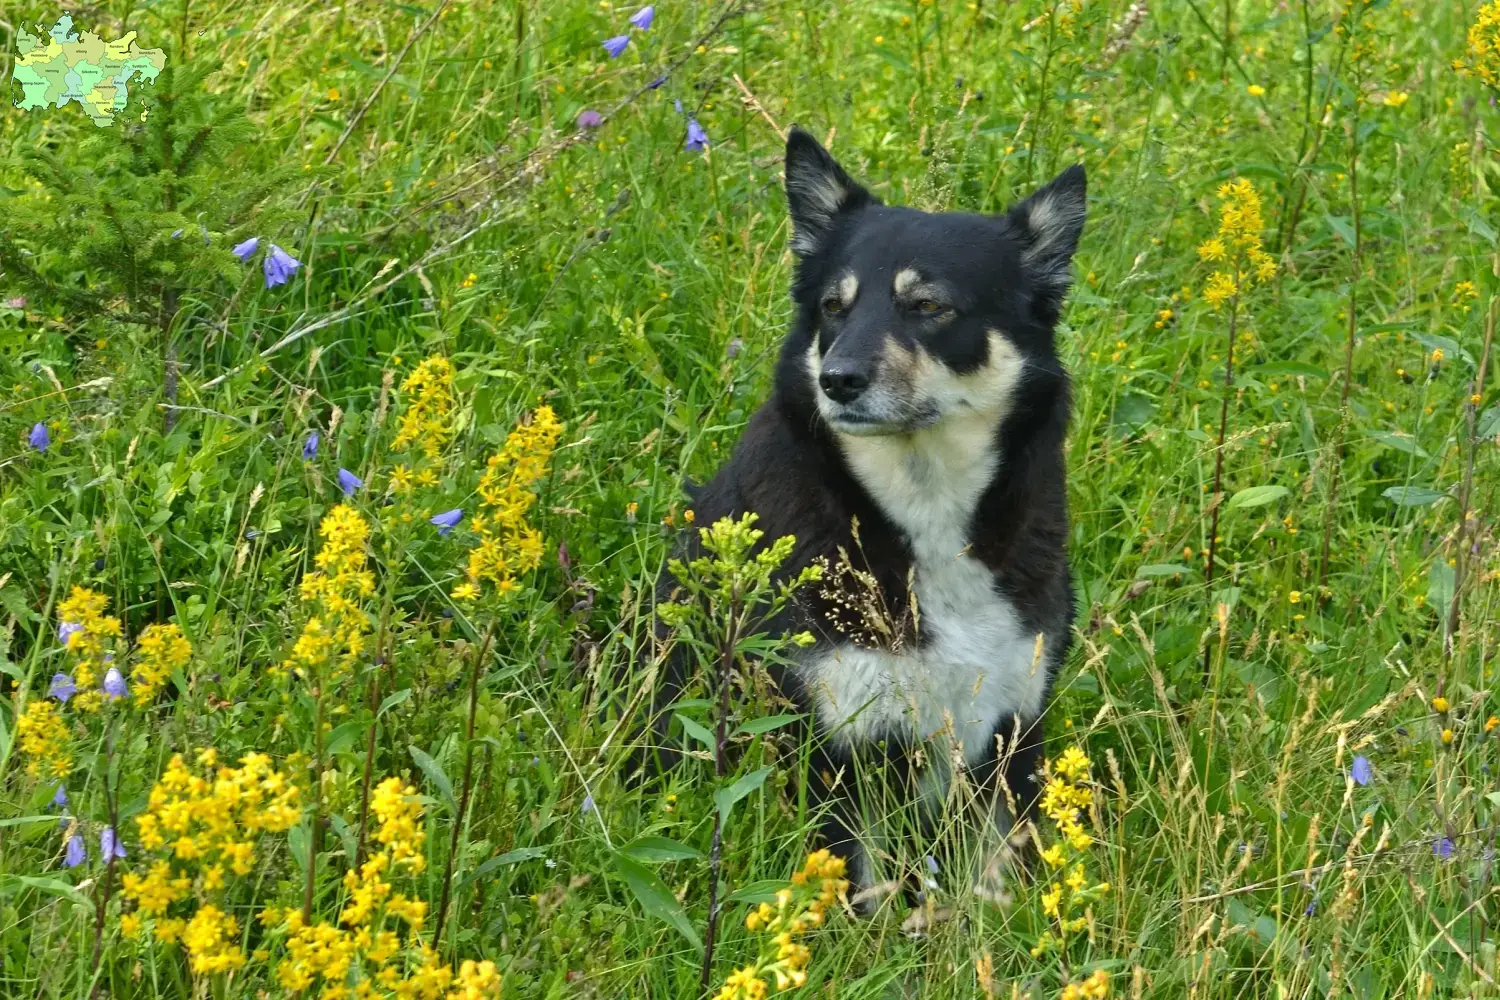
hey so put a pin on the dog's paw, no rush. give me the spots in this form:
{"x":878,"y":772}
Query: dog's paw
{"x":867,"y":900}
{"x":921,"y":920}
{"x":992,"y":884}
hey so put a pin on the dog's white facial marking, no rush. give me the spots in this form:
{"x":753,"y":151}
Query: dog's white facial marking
{"x":979,"y":663}
{"x":848,"y":288}
{"x":904,"y":280}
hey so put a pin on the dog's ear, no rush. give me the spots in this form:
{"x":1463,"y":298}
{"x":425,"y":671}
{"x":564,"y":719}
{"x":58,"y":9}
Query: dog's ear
{"x":1049,"y":224}
{"x":817,"y":191}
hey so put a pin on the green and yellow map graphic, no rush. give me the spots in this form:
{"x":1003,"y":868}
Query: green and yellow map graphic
{"x":67,"y":66}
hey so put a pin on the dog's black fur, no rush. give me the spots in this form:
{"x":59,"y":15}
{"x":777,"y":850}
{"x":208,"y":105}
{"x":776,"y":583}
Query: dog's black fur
{"x":1006,"y":273}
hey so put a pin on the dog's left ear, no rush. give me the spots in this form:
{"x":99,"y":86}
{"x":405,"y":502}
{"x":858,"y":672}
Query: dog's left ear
{"x":1049,"y":224}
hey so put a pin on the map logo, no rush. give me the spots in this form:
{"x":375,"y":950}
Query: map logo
{"x":62,"y":65}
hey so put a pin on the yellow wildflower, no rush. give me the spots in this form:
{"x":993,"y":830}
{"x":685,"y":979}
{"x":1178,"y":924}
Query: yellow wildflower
{"x":428,"y":417}
{"x":160,"y":650}
{"x":43,"y":739}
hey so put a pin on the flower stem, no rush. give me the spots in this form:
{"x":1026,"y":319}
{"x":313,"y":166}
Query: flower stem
{"x":313,"y":837}
{"x":381,"y":658}
{"x":1450,"y":630}
{"x":112,"y":802}
{"x":1215,"y":500}
{"x":1354,"y":275}
{"x":726,"y":662}
{"x":476,"y":667}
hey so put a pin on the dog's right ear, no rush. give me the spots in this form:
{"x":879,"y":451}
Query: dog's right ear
{"x":817,"y":191}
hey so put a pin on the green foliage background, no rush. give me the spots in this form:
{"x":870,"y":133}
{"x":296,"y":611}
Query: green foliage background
{"x":648,"y":322}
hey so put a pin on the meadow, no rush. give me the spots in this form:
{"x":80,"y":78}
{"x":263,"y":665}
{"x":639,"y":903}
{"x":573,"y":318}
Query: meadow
{"x":350,"y":394}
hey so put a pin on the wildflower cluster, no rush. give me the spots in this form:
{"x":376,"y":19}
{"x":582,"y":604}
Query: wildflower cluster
{"x":206,"y":821}
{"x":1483,"y":46}
{"x":43,"y":737}
{"x":89,"y":634}
{"x":428,"y":417}
{"x":1094,"y":987}
{"x":799,"y":908}
{"x":1237,"y":245}
{"x":334,"y":636}
{"x":733,"y":571}
{"x":160,"y":649}
{"x":507,"y":544}
{"x":368,"y":946}
{"x":1066,"y":800}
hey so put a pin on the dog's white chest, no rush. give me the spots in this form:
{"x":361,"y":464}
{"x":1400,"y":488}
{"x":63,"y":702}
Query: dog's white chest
{"x":977,"y":663}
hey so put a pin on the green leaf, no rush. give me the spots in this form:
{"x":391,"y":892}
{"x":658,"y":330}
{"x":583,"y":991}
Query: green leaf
{"x":1440,"y":584}
{"x":479,"y":872}
{"x":435,"y":774}
{"x":1489,"y":423}
{"x":12,"y":884}
{"x":23,"y":820}
{"x":1257,"y":496}
{"x":1287,"y":368}
{"x":695,"y":729}
{"x":346,"y":835}
{"x":1341,"y":226}
{"x":1479,"y":227}
{"x":519,"y":854}
{"x":1399,"y":441}
{"x":1413,"y":496}
{"x":1131,"y":412}
{"x":658,"y":849}
{"x":757,"y":726}
{"x":756,"y":892}
{"x":342,"y":738}
{"x":391,"y":701}
{"x":1162,"y":569}
{"x":297,"y":843}
{"x":725,"y":798}
{"x":655,"y":897}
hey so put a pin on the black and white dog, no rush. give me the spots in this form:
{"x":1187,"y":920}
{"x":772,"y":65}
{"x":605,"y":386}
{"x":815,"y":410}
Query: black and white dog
{"x":918,"y":396}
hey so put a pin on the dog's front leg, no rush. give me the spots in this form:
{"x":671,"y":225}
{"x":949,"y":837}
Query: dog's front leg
{"x":1010,"y":792}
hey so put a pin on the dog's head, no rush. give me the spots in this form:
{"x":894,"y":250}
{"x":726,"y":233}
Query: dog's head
{"x":908,"y":318}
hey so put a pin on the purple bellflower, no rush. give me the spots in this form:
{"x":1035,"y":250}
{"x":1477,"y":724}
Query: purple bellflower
{"x":280,"y":266}
{"x":62,"y":687}
{"x":39,"y":438}
{"x":114,"y":684}
{"x":614,"y":46}
{"x":245,"y":249}
{"x":642,"y":18}
{"x":349,"y":482}
{"x":447,"y":519}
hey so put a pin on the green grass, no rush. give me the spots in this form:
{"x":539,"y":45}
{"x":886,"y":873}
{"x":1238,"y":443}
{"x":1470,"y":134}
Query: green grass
{"x":1244,"y":860}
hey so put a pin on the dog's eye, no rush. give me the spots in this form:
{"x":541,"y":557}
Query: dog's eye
{"x":927,"y":307}
{"x":833,"y":304}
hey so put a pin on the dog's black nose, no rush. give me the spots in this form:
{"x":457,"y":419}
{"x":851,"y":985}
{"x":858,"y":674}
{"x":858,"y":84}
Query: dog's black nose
{"x":843,"y":386}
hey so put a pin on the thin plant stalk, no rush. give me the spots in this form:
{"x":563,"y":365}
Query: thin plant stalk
{"x":313,"y":837}
{"x":1215,"y":500}
{"x":112,"y":802}
{"x":1471,"y":407}
{"x":1354,"y":275}
{"x":382,"y":657}
{"x":476,"y":667}
{"x":715,"y":855}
